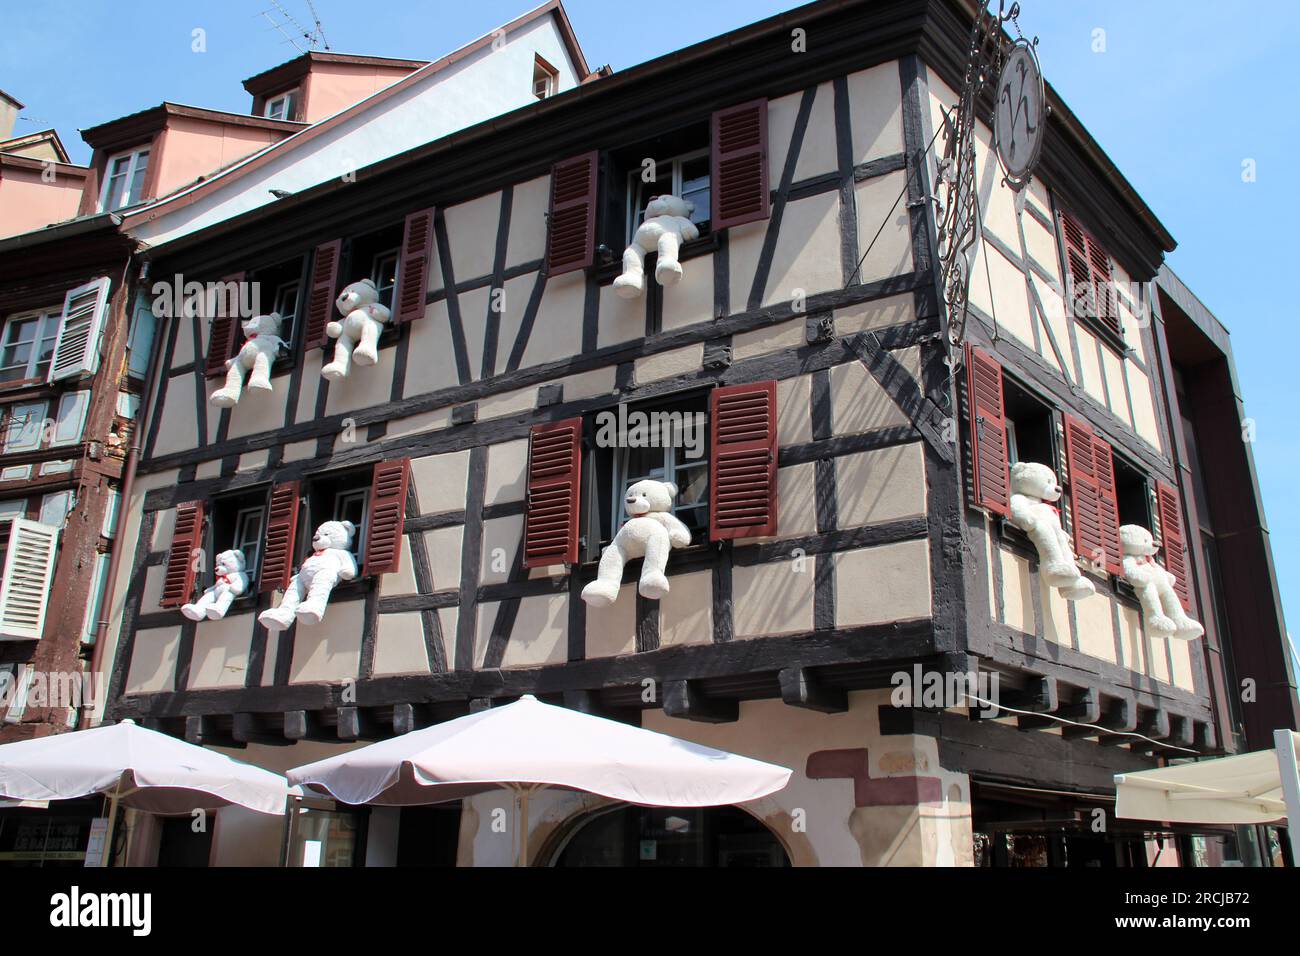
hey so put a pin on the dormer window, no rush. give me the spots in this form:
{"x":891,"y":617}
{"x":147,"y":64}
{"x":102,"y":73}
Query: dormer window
{"x":124,"y":180}
{"x":282,"y":107}
{"x":545,"y":79}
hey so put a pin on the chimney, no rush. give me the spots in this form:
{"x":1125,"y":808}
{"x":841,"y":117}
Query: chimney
{"x":9,"y":108}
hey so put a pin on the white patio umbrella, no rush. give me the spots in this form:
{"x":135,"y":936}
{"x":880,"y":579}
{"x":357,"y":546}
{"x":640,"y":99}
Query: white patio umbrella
{"x":138,"y":768}
{"x":528,"y":746}
{"x":1258,"y":787}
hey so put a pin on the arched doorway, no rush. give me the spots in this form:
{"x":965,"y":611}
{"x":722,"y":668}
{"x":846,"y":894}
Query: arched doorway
{"x":670,"y":836}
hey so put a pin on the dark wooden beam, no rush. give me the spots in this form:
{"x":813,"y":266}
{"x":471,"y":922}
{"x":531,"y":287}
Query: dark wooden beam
{"x":249,"y":728}
{"x":1085,"y":708}
{"x":683,"y":698}
{"x":304,"y":725}
{"x":409,"y":717}
{"x":357,"y":723}
{"x":801,"y":688}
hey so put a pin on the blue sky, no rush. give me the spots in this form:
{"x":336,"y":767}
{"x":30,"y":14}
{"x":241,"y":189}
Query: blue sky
{"x":1181,"y":95}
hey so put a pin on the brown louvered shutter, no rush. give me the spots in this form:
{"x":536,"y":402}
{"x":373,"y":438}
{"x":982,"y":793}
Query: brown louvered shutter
{"x":1091,"y":273}
{"x":738,"y":165}
{"x":742,"y":461}
{"x":223,"y":331}
{"x":554,"y":487}
{"x":413,"y":271}
{"x":990,"y":480}
{"x":1103,"y":459}
{"x":320,"y":295}
{"x":571,"y":233}
{"x":178,"y":585}
{"x":281,"y":531}
{"x":1085,"y":489}
{"x":387,"y":515}
{"x":1173,"y":541}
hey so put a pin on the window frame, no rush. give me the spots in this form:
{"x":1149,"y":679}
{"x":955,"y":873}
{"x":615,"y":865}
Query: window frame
{"x":289,"y":98}
{"x":338,"y":513}
{"x":376,"y":263}
{"x":543,"y":71}
{"x":134,"y":157}
{"x":47,"y":327}
{"x":634,"y":184}
{"x":229,"y":510}
{"x":6,"y":426}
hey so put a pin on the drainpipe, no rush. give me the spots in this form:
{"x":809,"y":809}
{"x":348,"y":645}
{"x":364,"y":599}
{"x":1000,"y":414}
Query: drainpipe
{"x":128,"y":485}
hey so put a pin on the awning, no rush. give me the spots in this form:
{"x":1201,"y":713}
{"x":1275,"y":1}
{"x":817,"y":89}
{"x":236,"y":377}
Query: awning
{"x":1259,"y":787}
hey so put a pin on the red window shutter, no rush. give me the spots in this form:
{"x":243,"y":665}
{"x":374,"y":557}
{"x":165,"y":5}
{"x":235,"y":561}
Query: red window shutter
{"x":223,"y":332}
{"x":281,"y":530}
{"x":387,"y":516}
{"x":1173,"y":540}
{"x":1091,"y":274}
{"x":742,"y":461}
{"x":1085,"y":489}
{"x":738,"y":165}
{"x":320,"y":297}
{"x":178,"y":585}
{"x":1107,"y":507}
{"x":571,"y":237}
{"x":554,"y":486}
{"x":413,"y":271}
{"x":990,"y":470}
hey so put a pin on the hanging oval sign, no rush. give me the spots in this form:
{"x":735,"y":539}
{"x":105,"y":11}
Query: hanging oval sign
{"x":1018,"y":124}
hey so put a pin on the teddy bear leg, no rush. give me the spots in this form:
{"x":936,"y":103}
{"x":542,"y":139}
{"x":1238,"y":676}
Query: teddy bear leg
{"x":220,"y":604}
{"x":668,"y":271}
{"x":654,"y":583}
{"x":260,"y":377}
{"x":1185,"y":629}
{"x":195,"y":610}
{"x":311,"y":611}
{"x":609,"y":577}
{"x":631,"y":283}
{"x":1055,"y":566}
{"x":367,"y":350}
{"x":281,"y":618}
{"x":338,"y":368}
{"x":228,"y":395}
{"x":1152,"y":613}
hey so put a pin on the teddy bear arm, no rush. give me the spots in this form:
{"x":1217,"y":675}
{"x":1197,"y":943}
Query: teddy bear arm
{"x":678,"y":534}
{"x":689,"y":231}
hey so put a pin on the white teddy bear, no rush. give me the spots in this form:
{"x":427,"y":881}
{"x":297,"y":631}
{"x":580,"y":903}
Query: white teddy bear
{"x":358,"y":333}
{"x":1033,"y":488}
{"x":1161,"y":609}
{"x":231,"y":582}
{"x":651,"y":531}
{"x":667,"y":225}
{"x":262,"y":344}
{"x":308,"y":593}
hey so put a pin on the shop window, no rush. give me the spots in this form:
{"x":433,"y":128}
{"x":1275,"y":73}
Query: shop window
{"x":328,"y":838}
{"x":673,"y":837}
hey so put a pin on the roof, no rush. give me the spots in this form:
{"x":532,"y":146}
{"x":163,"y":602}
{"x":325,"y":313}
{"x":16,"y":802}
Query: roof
{"x":134,"y":124}
{"x":250,"y":163}
{"x":299,"y":66}
{"x":14,"y":101}
{"x":61,"y":230}
{"x":18,"y":142}
{"x":30,"y":162}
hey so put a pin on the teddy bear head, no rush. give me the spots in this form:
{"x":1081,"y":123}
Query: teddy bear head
{"x":262,"y":325}
{"x":229,"y":562}
{"x":649,"y":495}
{"x":1136,"y":540}
{"x":669,"y":206}
{"x":334,"y":534}
{"x":356,"y":295}
{"x":1033,"y":480}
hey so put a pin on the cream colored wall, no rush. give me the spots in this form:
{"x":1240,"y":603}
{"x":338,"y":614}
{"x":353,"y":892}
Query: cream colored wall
{"x":1107,"y":628}
{"x":1120,"y":388}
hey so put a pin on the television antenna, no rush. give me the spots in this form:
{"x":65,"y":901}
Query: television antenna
{"x":293,"y":31}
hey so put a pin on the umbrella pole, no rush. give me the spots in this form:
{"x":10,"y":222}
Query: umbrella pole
{"x":1289,"y":774}
{"x":112,"y":823}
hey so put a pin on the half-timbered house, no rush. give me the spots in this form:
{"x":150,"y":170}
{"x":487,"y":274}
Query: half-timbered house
{"x":847,"y":513}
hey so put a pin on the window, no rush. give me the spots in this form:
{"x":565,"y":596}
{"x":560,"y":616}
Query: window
{"x":545,"y":79}
{"x":239,"y":523}
{"x":684,"y":176}
{"x":663,"y":442}
{"x":22,"y":426}
{"x":28,"y":345}
{"x":282,"y":107}
{"x":278,"y":288}
{"x":9,"y":510}
{"x":383,"y":272}
{"x":343,"y":497}
{"x":1090,"y":276}
{"x":55,"y":508}
{"x":124,"y":180}
{"x":1135,"y":494}
{"x":1031,"y":428}
{"x":351,"y":506}
{"x":328,"y":838}
{"x":139,"y":343}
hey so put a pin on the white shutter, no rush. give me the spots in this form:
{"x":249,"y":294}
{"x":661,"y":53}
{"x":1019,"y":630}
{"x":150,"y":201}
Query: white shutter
{"x":25,"y":585}
{"x":70,"y":418}
{"x":77,"y":348}
{"x":21,"y":688}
